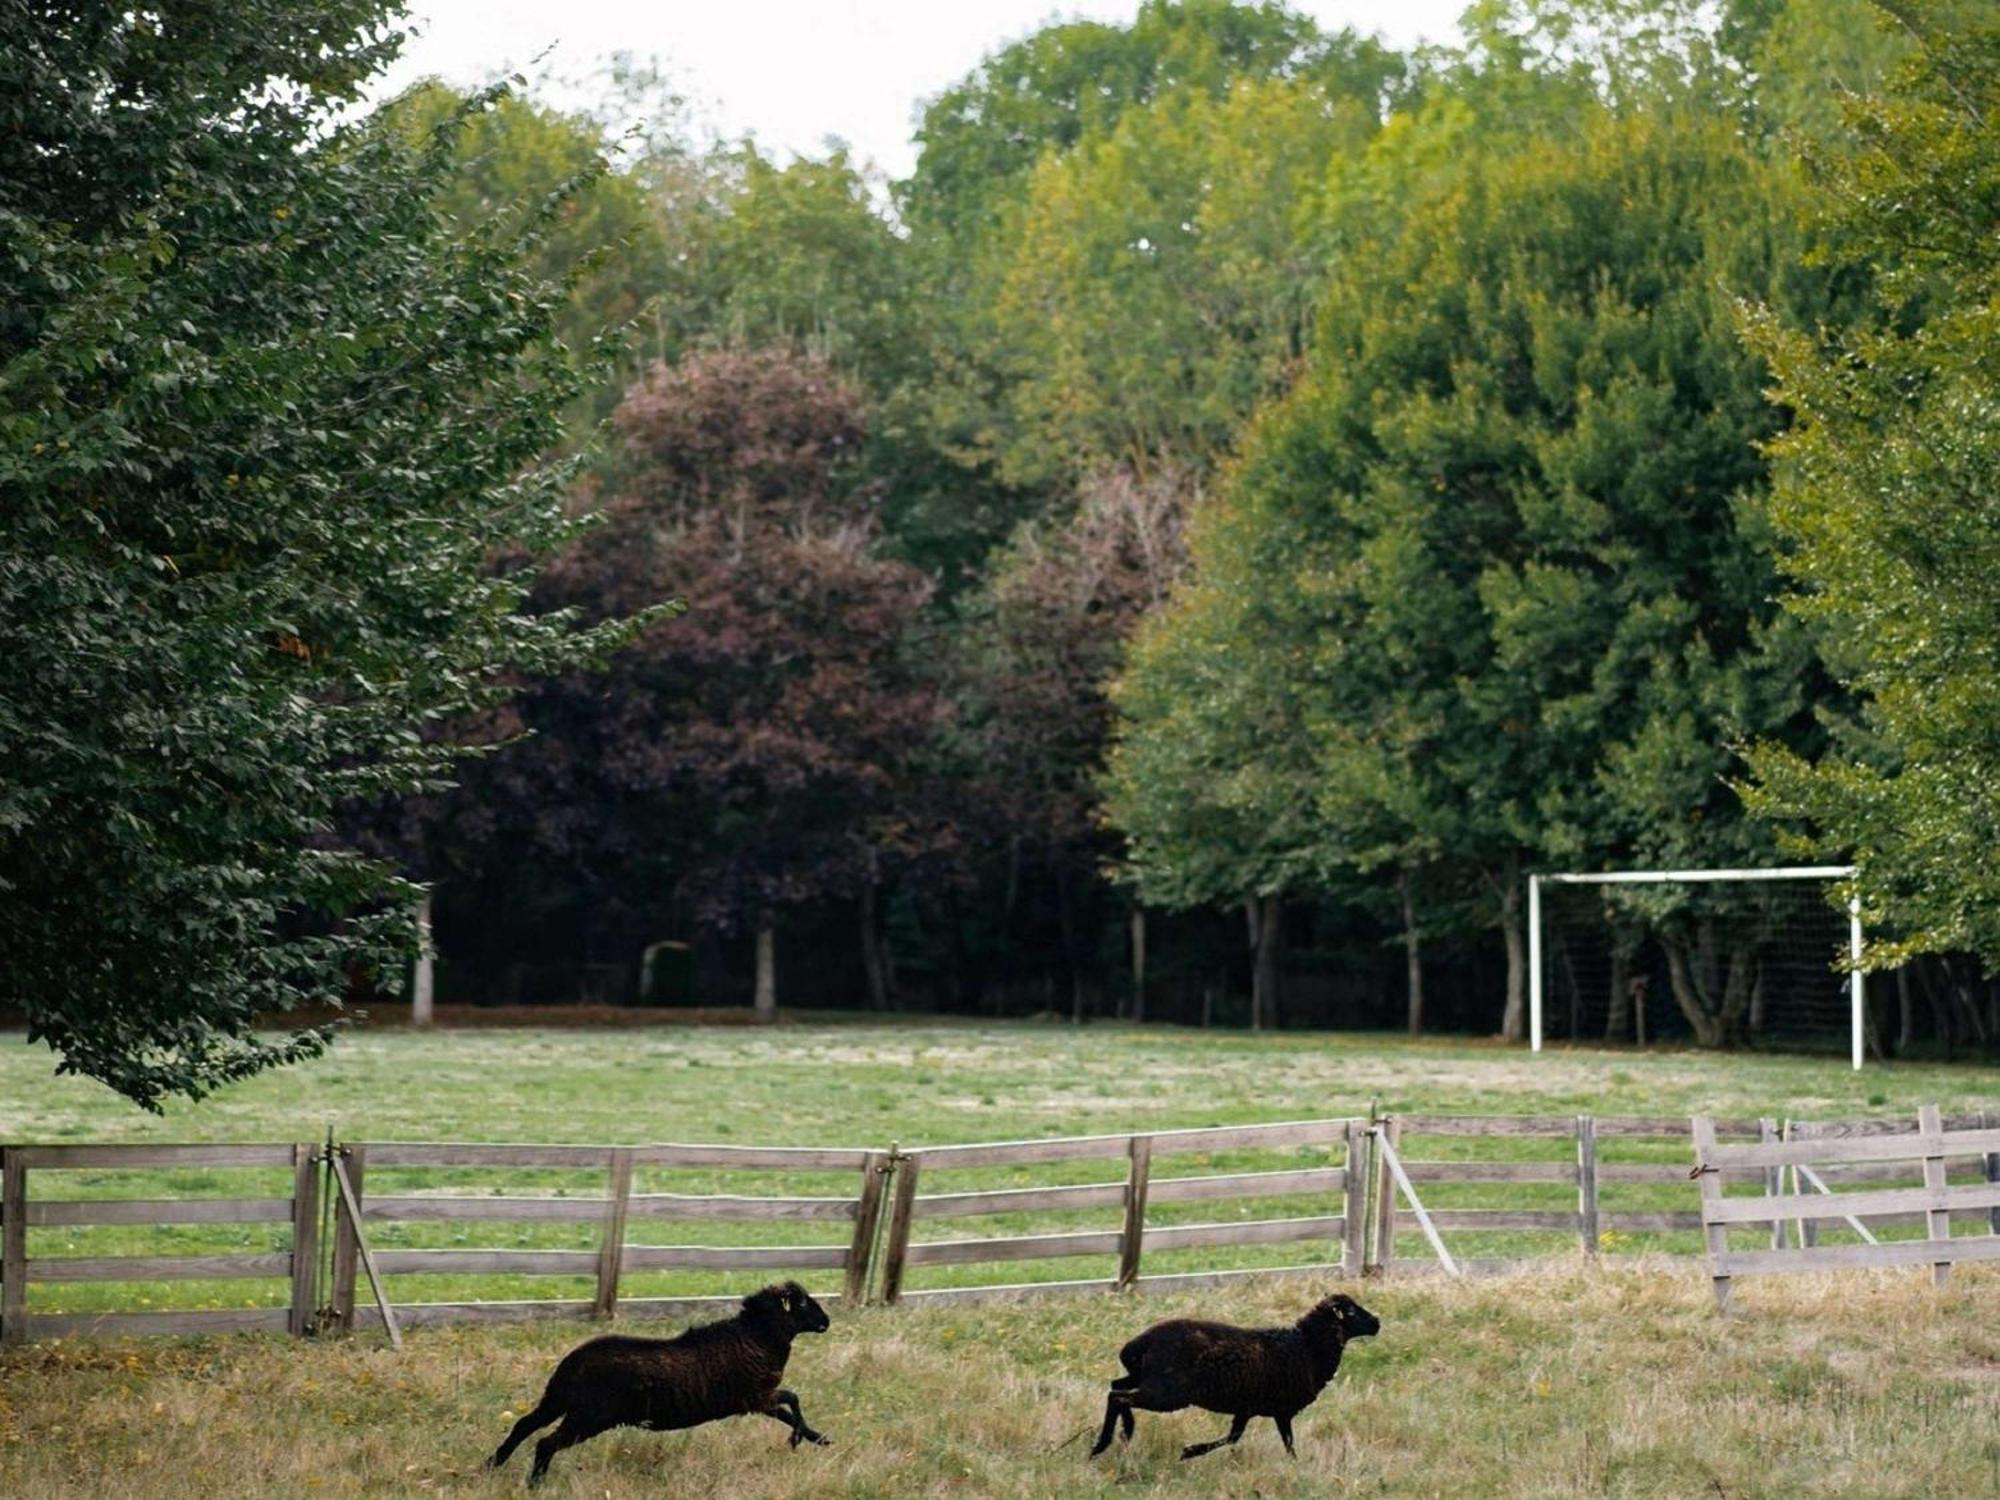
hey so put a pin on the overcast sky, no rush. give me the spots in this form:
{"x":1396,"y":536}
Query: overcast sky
{"x":794,"y":72}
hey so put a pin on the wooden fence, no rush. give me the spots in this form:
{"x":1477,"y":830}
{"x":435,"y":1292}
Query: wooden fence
{"x":1589,"y":1182}
{"x":293,"y":1168}
{"x":1583,"y":1157}
{"x":618,"y":1212}
{"x":1126,"y":1233}
{"x":1838,"y":1230}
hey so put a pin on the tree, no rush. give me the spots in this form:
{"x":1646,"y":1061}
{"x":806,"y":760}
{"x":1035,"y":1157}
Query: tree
{"x":1044,"y":94}
{"x":1889,"y":499}
{"x":266,"y":418}
{"x":1498,"y":552}
{"x":1039,"y":644}
{"x":1162,"y":277}
{"x":1209,"y":779}
{"x":985,"y":142}
{"x":764,"y":751}
{"x":632,"y":242}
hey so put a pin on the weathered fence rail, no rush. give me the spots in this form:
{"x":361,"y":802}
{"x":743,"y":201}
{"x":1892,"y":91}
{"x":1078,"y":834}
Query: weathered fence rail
{"x":21,"y":1167}
{"x":1926,"y":1148}
{"x":1129,"y":1235}
{"x":1821,"y":1195}
{"x":1577,"y":1158}
{"x":617,"y":1211}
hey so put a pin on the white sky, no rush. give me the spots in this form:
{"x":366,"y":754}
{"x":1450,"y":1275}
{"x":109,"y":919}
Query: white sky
{"x":794,"y":72}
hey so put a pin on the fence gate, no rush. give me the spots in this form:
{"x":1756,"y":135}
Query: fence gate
{"x":1860,"y":1227}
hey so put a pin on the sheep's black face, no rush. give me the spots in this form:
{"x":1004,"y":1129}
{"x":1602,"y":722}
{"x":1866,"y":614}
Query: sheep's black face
{"x":1339,"y":1318}
{"x":1356,"y":1321}
{"x":807,"y":1315}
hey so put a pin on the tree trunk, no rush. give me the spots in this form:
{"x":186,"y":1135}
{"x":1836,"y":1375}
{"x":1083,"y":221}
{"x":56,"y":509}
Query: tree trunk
{"x":1514,"y":1019}
{"x":766,"y":997}
{"x":1618,"y":1004}
{"x":1413,"y":955}
{"x":1138,"y":963}
{"x":1906,"y":1012}
{"x":873,"y":961}
{"x":422,"y":974}
{"x":1714,"y":996}
{"x":1687,"y":995}
{"x":960,"y":997}
{"x":1267,"y":928}
{"x":1066,"y":921}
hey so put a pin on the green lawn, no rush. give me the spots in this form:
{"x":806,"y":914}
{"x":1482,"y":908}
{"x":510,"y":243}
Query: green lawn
{"x":1569,"y":1381}
{"x":929,"y":1083}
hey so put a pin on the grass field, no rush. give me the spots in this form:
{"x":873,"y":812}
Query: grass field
{"x":1569,"y":1381}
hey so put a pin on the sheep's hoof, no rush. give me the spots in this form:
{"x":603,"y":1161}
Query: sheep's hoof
{"x":817,"y":1439}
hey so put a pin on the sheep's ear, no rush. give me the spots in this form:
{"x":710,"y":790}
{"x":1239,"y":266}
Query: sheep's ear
{"x":771,"y":1299}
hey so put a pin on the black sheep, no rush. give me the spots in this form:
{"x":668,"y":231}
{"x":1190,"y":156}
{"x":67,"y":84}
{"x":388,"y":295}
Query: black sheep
{"x":716,"y":1370}
{"x":1239,"y":1372}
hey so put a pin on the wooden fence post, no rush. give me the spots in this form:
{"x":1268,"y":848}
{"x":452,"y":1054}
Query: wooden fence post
{"x":305,"y":1240}
{"x":611,"y":1253}
{"x":1709,"y":1176}
{"x":900,"y":1216}
{"x":1389,"y":1134}
{"x":1990,"y":1119}
{"x":867,"y":1216}
{"x":346,"y":1236}
{"x":1937,"y":1220}
{"x":13,"y":1247}
{"x":1354,"y":1229}
{"x":1132,"y":1240}
{"x":1586,"y":1183}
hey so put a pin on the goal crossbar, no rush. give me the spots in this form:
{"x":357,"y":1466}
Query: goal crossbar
{"x":1663,"y":877}
{"x":1857,"y":996}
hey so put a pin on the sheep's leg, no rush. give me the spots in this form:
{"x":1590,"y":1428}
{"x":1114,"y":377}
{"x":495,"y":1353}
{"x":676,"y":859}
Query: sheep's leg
{"x":785,"y":1408}
{"x":1236,"y":1426}
{"x":1128,"y":1382}
{"x":534,"y":1421}
{"x":1285,"y":1432}
{"x":568,"y":1435}
{"x":1117,"y":1410}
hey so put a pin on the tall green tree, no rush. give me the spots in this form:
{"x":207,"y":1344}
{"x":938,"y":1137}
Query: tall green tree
{"x":1501,"y":546}
{"x":979,"y":138}
{"x":1161,"y":279}
{"x":1889,"y":500}
{"x":265,"y":419}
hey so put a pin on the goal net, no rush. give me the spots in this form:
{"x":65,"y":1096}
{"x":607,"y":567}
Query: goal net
{"x":1711,"y":957}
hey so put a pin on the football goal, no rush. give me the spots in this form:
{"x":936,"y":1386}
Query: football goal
{"x":1717,"y":957}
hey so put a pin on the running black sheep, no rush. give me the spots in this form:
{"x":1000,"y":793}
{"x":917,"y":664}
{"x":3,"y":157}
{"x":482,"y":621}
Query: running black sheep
{"x":1238,"y":1372}
{"x":717,"y":1370}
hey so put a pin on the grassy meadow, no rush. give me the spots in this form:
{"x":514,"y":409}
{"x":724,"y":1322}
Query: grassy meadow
{"x":1569,"y":1381}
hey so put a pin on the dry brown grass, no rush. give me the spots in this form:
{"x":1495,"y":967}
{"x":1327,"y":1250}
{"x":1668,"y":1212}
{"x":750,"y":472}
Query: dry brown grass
{"x":1568,"y":1382}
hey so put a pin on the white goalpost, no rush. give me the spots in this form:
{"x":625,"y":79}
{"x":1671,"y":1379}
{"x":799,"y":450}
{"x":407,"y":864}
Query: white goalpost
{"x":1856,"y":994}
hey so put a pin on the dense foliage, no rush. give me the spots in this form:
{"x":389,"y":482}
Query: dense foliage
{"x":1890,"y":496}
{"x":265,"y":421}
